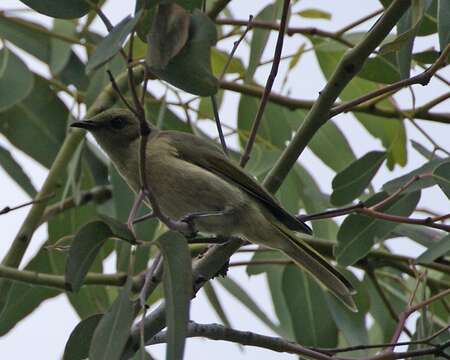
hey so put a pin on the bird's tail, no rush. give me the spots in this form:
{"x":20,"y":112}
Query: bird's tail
{"x":307,"y":258}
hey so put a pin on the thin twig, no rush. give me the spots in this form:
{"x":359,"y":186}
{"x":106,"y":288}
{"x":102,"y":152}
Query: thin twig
{"x":270,"y":80}
{"x":422,"y":79}
{"x":218,"y":124}
{"x":289,"y":31}
{"x":358,"y":22}
{"x":235,"y":46}
{"x":8,"y":209}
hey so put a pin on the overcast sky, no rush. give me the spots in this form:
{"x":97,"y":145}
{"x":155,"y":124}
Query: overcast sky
{"x":43,"y":334}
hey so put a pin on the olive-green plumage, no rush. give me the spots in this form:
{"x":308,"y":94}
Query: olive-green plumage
{"x":191,"y":175}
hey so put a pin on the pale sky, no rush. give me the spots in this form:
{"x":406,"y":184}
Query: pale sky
{"x":43,"y":334}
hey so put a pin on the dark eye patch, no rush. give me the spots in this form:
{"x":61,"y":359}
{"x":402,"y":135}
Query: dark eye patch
{"x":118,"y":123}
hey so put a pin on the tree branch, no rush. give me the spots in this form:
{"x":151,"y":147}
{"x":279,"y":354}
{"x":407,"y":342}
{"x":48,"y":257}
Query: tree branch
{"x":422,"y":79}
{"x":293,"y":104}
{"x":220,"y":332}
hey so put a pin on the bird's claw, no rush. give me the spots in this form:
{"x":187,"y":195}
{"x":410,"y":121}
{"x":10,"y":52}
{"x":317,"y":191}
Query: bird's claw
{"x":191,"y":231}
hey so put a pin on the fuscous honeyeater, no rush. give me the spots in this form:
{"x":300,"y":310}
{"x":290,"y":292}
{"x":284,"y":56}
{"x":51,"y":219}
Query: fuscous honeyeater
{"x":190,"y":175}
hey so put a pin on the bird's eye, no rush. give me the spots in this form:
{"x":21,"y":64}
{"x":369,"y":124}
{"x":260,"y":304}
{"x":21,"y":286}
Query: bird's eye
{"x":118,"y":123}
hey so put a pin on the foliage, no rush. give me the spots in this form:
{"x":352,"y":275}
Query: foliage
{"x":185,"y":54}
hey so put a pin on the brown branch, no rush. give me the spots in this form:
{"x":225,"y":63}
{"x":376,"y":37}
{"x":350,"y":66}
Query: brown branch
{"x":293,"y":104}
{"x":290,"y":31}
{"x":270,"y":80}
{"x":358,"y":22}
{"x":422,"y":79}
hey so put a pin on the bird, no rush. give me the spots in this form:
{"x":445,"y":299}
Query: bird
{"x":192,"y":177}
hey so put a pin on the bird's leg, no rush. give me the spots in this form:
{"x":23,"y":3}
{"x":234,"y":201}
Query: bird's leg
{"x":134,"y":209}
{"x":189,"y":218}
{"x":150,"y":215}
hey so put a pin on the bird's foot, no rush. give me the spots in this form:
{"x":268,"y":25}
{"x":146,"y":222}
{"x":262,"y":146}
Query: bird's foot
{"x":189,"y":230}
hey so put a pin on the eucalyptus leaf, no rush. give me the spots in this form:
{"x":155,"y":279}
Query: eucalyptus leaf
{"x":311,"y":320}
{"x":215,"y":303}
{"x":177,"y":282}
{"x":67,"y":9}
{"x":395,"y":184}
{"x":15,"y":170}
{"x":435,"y":251}
{"x":85,"y":247}
{"x":190,"y":69}
{"x":41,"y":115}
{"x":118,"y":229}
{"x":244,"y":298}
{"x":442,"y":177}
{"x":77,"y":347}
{"x":111,"y":333}
{"x":443,"y":23}
{"x":168,"y":35}
{"x":314,"y":14}
{"x":112,"y":43}
{"x":353,"y":180}
{"x":60,"y":50}
{"x":25,"y":298}
{"x":358,"y":233}
{"x":16,"y":81}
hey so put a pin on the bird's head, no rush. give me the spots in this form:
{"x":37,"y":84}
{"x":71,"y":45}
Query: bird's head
{"x":117,"y":127}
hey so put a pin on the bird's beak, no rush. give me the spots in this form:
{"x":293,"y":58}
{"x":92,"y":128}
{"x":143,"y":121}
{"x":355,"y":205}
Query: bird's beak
{"x":85,"y":124}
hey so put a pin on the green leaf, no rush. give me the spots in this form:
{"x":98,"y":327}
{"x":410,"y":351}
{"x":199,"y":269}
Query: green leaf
{"x":177,"y":282}
{"x":426,"y":57}
{"x":352,"y":325}
{"x":380,"y":70}
{"x":42,"y":115}
{"x":85,"y":247}
{"x":168,"y":35}
{"x":311,"y":320}
{"x":14,"y":169}
{"x":395,"y":184}
{"x":314,"y":14}
{"x":420,"y":234}
{"x":391,"y":133}
{"x":244,"y":298}
{"x":274,"y":274}
{"x":270,"y":133}
{"x":330,"y":145}
{"x":397,"y":297}
{"x":441,"y":248}
{"x":358,"y":233}
{"x":190,"y":70}
{"x":259,"y":40}
{"x":214,"y":301}
{"x":77,"y":347}
{"x":67,"y":9}
{"x":427,"y":154}
{"x":24,"y":298}
{"x":354,"y":179}
{"x":22,"y":33}
{"x":16,"y":81}
{"x":112,"y":43}
{"x":443,"y":23}
{"x":118,"y":229}
{"x":60,"y":51}
{"x":112,"y":331}
{"x":442,"y":177}
{"x":89,"y":300}
{"x":219,"y":59}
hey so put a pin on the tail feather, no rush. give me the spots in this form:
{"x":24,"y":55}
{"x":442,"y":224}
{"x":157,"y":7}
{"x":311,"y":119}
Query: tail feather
{"x":307,"y":258}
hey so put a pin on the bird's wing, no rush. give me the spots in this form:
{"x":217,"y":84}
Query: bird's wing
{"x":210,"y":157}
